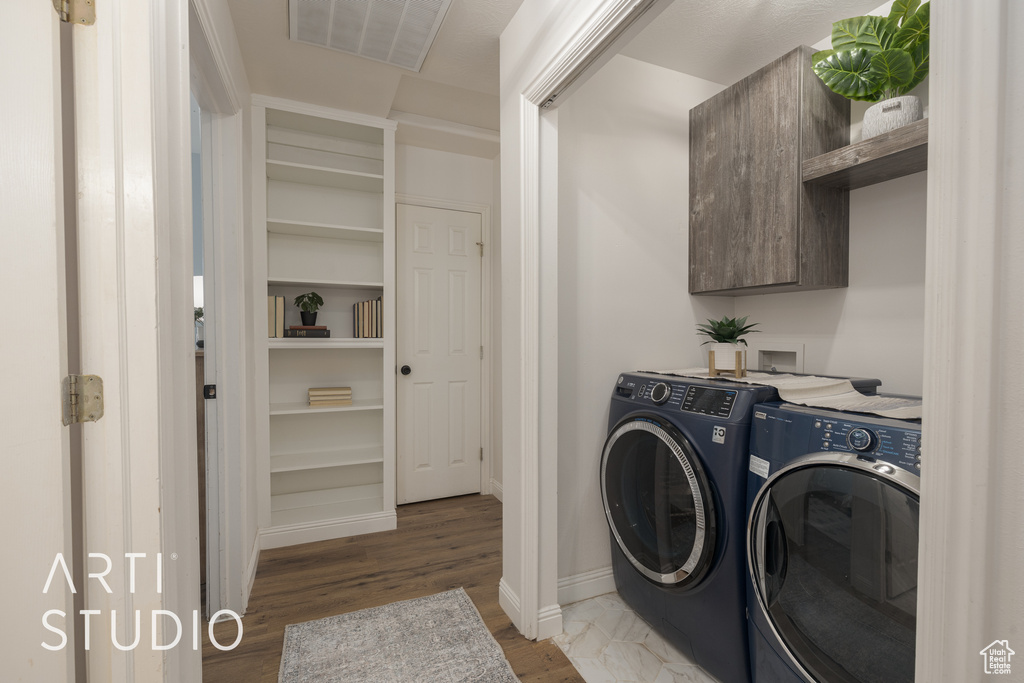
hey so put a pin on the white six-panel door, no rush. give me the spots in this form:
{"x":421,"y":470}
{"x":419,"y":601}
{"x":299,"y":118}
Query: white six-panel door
{"x":438,"y":307}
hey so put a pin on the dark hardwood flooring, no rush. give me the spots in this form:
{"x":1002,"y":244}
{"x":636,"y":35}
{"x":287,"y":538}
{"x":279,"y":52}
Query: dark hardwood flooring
{"x":439,"y":545}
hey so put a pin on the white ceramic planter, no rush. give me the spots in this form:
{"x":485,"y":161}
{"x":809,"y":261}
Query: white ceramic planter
{"x":725,"y":356}
{"x":890,"y":114}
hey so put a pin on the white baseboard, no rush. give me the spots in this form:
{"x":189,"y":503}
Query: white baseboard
{"x":585,"y":586}
{"x":509,"y":602}
{"x":278,"y":537}
{"x":496,"y":490}
{"x":549,"y":622}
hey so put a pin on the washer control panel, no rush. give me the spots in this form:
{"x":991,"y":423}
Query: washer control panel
{"x":880,"y":441}
{"x":709,"y":401}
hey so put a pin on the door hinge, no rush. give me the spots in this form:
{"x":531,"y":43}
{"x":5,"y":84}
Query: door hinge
{"x":82,"y":398}
{"x":481,"y":454}
{"x":76,"y":11}
{"x":481,"y":353}
{"x":481,"y":245}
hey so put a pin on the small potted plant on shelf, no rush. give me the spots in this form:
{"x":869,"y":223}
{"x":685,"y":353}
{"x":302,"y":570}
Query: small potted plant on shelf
{"x":726,"y":335}
{"x":309,"y":303}
{"x":879,"y":59}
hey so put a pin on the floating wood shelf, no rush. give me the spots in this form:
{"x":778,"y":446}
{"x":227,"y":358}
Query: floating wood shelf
{"x":891,"y":155}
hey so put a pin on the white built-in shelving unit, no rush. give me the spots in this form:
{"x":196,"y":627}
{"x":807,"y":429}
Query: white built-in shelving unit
{"x":324,"y":201}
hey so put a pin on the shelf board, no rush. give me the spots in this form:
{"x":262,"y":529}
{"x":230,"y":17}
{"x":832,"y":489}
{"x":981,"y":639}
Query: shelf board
{"x":305,"y":174}
{"x":337,"y":284}
{"x":326,"y":504}
{"x":303,"y":408}
{"x":884,"y":157}
{"x":325,"y":343}
{"x":296,"y":462}
{"x":282,"y":226}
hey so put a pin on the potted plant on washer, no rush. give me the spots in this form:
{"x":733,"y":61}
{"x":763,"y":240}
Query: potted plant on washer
{"x":308,"y":303}
{"x":879,"y":59}
{"x":726,"y":335}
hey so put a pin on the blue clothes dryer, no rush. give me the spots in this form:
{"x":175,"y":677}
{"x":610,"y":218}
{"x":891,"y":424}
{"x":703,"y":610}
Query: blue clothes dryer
{"x":832,"y":532}
{"x":673,"y":481}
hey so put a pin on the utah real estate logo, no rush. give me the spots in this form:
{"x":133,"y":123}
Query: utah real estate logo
{"x":997,"y":657}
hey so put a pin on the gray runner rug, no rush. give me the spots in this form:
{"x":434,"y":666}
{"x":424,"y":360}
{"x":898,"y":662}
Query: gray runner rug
{"x":437,"y":639}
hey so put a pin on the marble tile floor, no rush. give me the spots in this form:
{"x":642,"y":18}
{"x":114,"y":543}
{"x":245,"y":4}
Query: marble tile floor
{"x":607,"y":643}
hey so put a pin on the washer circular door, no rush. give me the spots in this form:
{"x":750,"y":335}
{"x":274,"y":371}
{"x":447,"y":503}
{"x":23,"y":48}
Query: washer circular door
{"x":658,"y":501}
{"x":832,"y":553}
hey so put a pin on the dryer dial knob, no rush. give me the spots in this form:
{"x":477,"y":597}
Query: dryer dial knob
{"x":660,"y":393}
{"x":862,"y":440}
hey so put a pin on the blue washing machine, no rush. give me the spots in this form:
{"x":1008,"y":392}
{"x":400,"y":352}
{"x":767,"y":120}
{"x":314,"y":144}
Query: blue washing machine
{"x":834,"y":502}
{"x":673,"y":482}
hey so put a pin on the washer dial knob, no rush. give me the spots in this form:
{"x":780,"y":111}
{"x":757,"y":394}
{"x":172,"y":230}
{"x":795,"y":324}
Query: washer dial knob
{"x":861,"y":439}
{"x":660,"y":393}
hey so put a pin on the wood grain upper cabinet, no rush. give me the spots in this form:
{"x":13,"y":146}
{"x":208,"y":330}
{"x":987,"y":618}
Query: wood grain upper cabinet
{"x":754,"y":226}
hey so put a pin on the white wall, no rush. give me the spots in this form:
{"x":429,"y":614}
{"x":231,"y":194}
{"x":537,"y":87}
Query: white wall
{"x":434,"y":174}
{"x":623,"y":142}
{"x":874,"y":327}
{"x":443,"y":175}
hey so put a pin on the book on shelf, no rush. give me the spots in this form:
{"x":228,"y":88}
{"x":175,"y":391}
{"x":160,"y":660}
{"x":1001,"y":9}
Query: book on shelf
{"x":307,"y":334}
{"x":271,"y":316}
{"x":279,"y":317}
{"x":368,"y":319}
{"x":330,"y":391}
{"x":307,"y":327}
{"x":330,"y":402}
{"x":275,"y":317}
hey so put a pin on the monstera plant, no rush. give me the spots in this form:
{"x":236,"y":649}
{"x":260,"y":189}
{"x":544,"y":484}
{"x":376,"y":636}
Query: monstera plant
{"x":876,"y":58}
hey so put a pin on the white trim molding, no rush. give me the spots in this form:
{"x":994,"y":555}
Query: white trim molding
{"x":970,"y":548}
{"x":548,"y":47}
{"x":586,"y":585}
{"x":268,"y":102}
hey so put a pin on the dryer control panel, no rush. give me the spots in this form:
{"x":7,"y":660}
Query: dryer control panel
{"x":892,"y":444}
{"x":809,"y":430}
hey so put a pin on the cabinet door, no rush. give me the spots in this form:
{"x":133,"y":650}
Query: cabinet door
{"x":744,"y":187}
{"x":754,"y":226}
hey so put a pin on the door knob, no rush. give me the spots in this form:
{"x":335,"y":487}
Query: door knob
{"x":406,"y":369}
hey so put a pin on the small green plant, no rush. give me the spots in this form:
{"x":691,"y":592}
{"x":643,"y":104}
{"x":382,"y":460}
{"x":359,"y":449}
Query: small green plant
{"x":310,"y":302}
{"x":876,"y":58}
{"x":726,"y":331}
{"x":198,"y":312}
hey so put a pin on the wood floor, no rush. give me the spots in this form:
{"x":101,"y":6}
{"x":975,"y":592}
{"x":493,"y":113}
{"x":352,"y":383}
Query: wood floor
{"x":439,"y":545}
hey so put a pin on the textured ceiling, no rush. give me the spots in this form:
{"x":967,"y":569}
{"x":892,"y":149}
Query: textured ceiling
{"x":458,"y":81}
{"x":724,"y":42}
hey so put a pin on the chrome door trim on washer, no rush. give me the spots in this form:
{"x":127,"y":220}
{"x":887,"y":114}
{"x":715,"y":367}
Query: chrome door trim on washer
{"x":893,"y":474}
{"x":645,"y":423}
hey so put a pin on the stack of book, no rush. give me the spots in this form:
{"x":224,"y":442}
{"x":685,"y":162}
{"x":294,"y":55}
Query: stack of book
{"x":275,"y":317}
{"x":330,"y":396}
{"x":307,"y":331}
{"x":368,"y":319}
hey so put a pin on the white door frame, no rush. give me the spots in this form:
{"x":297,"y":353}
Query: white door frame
{"x":222,"y":93}
{"x":552,"y":47}
{"x":971,"y":482}
{"x":969,"y":539}
{"x":486,"y":365}
{"x":134,"y":197}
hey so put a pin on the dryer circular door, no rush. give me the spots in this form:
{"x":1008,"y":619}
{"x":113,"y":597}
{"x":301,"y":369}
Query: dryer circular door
{"x":832,"y":553}
{"x":658,"y":501}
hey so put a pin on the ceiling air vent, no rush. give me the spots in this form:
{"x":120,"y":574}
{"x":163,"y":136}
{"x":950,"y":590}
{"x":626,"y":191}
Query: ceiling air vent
{"x":397,"y":32}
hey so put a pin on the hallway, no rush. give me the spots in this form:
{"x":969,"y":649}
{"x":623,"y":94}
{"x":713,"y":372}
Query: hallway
{"x":439,"y":545}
